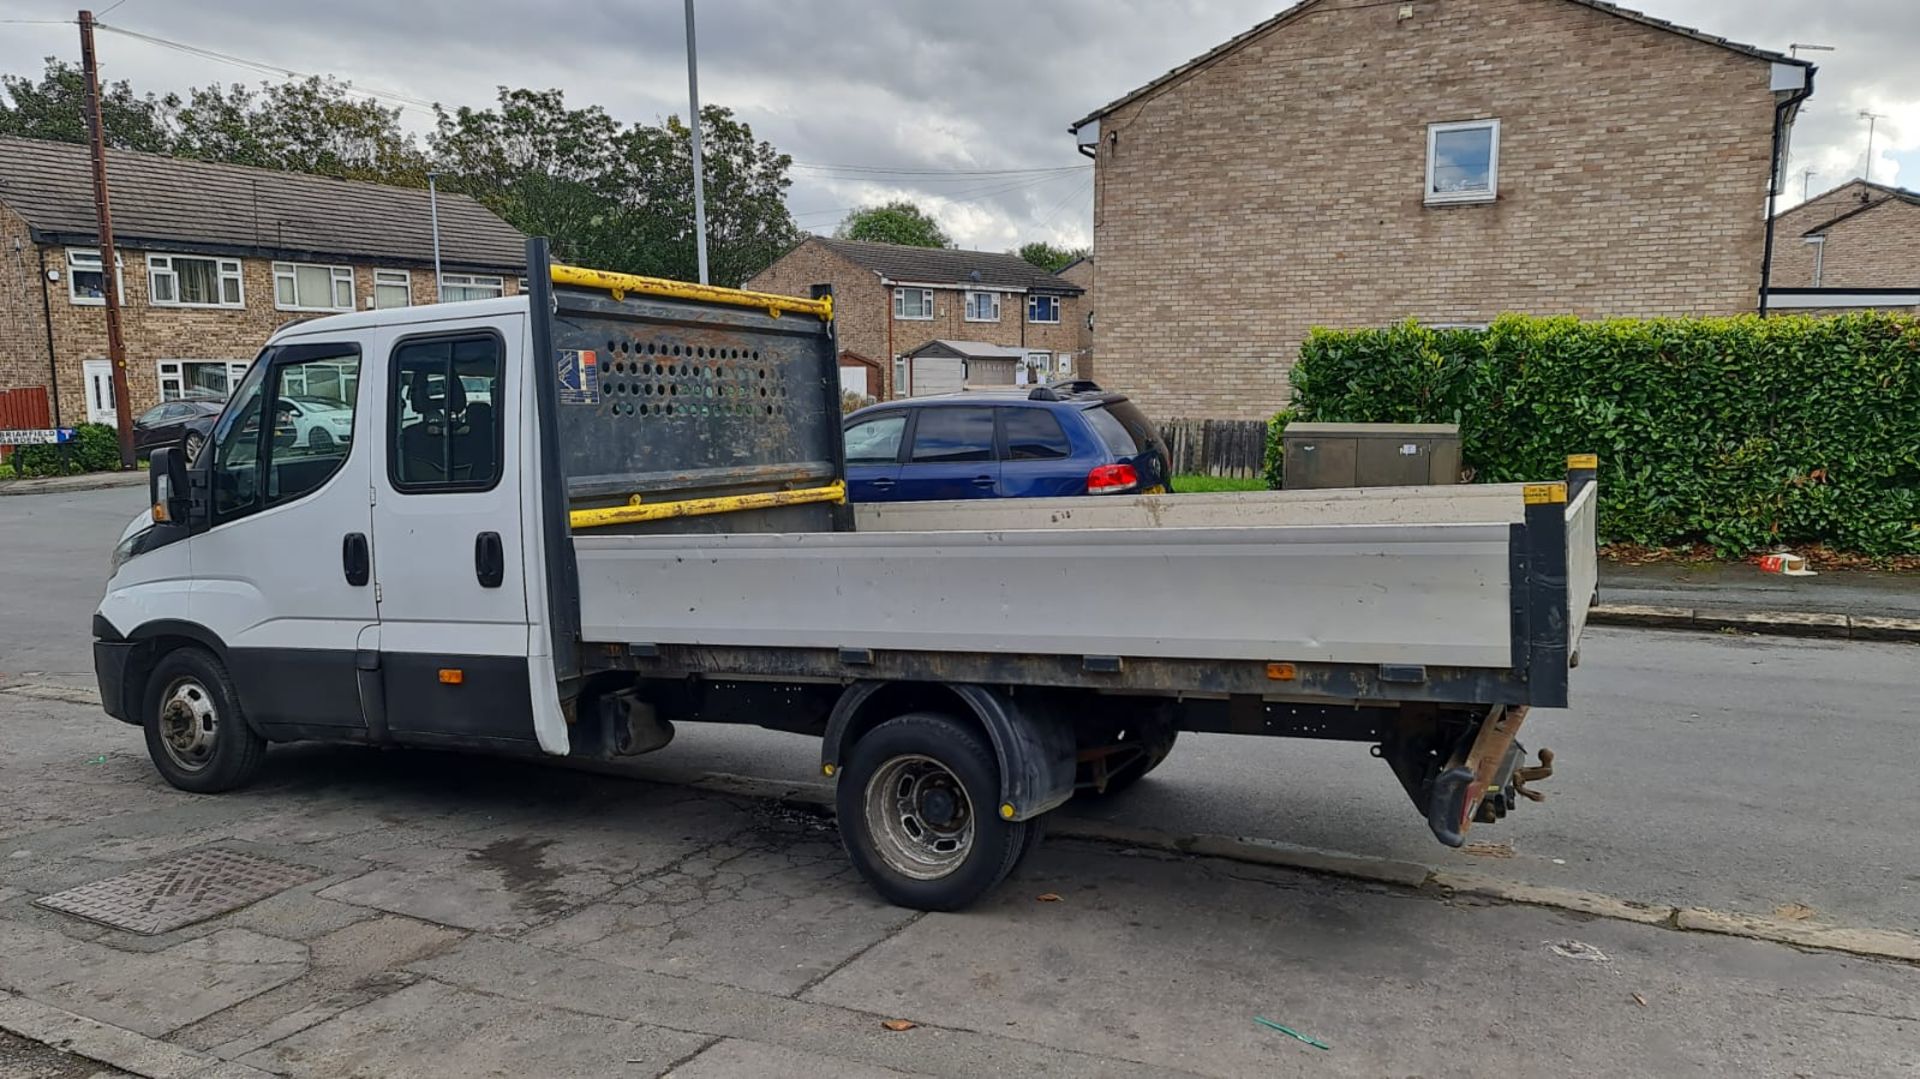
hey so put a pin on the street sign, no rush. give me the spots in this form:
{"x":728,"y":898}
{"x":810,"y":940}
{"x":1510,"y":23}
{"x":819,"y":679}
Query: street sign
{"x":43,"y":437}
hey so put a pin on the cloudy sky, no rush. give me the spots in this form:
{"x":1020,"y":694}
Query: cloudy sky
{"x":960,"y":106}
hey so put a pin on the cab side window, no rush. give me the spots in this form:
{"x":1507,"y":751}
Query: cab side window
{"x":444,"y":398}
{"x":271,"y":446}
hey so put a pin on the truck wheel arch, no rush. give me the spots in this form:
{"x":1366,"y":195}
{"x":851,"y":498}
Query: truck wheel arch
{"x":1033,"y":744}
{"x":156,"y":639}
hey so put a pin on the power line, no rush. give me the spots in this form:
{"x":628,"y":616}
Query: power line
{"x":861,"y":169}
{"x":109,"y":10}
{"x":259,"y":66}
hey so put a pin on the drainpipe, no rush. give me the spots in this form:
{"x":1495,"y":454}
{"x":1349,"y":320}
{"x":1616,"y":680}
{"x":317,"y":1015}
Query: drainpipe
{"x":46,"y":314}
{"x":886,"y":292}
{"x":1780,"y":112}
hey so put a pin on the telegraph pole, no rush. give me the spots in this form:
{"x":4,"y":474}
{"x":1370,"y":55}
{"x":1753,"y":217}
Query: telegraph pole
{"x":109,"y":259}
{"x":699,"y":176}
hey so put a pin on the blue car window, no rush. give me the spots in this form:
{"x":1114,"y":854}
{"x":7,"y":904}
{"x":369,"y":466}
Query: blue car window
{"x":1119,"y":440}
{"x":876,"y":441}
{"x":1034,"y":435}
{"x":953,"y":434}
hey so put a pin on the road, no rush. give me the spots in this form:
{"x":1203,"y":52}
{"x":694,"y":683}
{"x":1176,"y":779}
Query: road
{"x":1738,"y":773}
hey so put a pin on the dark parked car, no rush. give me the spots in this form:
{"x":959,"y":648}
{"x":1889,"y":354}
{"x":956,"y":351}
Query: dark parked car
{"x":1047,"y":442}
{"x":176,"y":423}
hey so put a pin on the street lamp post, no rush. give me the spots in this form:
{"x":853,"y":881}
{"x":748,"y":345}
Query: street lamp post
{"x":699,"y":174}
{"x":433,"y":210}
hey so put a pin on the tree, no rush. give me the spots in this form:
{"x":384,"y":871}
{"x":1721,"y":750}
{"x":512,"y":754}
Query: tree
{"x":897,"y":222}
{"x":55,"y":108}
{"x":314,"y":125}
{"x":622,"y":199}
{"x":1050,"y":258}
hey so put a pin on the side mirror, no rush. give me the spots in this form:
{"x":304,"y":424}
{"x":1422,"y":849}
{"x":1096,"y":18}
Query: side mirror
{"x":167,"y":487}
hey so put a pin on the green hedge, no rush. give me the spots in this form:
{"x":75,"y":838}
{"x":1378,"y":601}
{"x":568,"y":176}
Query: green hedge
{"x":1741,"y":432}
{"x":95,"y":448}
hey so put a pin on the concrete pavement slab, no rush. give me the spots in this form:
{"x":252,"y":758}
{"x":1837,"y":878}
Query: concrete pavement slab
{"x":771,"y":912}
{"x":1173,"y":958}
{"x":432,"y":1031}
{"x":99,"y":1041}
{"x":733,"y":1058}
{"x":538,"y":976}
{"x":151,"y":993}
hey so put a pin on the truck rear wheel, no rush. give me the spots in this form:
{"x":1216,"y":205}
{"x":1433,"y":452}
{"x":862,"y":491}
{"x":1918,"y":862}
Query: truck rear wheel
{"x":918,"y":805}
{"x":196,"y":734}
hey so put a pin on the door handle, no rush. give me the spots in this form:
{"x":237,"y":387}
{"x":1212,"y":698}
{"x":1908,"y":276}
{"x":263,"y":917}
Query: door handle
{"x":983,"y":481}
{"x":489,"y":559}
{"x":881,"y":484}
{"x":355,"y":558}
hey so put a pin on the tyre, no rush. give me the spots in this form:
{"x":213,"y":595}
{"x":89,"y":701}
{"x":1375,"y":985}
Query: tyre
{"x":1156,"y":742}
{"x":196,"y":733}
{"x":319,"y":439}
{"x":192,"y":444}
{"x":918,"y":799}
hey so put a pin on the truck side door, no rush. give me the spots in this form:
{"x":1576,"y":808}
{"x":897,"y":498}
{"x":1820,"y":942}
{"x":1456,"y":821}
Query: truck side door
{"x":282,"y":572}
{"x":952,"y":456}
{"x":447,"y":532}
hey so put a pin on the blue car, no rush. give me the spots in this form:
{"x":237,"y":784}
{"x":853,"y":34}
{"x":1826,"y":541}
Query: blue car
{"x":1046,"y":442}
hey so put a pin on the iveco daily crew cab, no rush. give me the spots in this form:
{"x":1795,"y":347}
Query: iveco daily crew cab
{"x":566,"y":522}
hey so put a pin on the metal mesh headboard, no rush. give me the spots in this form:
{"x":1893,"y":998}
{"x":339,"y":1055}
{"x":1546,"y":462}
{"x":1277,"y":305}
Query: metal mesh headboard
{"x":662,"y":394}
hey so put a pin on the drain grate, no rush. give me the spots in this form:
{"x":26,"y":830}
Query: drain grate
{"x":180,"y":891}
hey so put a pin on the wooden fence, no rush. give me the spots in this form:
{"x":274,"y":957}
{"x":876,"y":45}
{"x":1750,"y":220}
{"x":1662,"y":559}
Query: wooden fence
{"x":1235,"y":448}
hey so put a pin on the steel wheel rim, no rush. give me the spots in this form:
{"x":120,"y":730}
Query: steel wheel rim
{"x":920,"y":817}
{"x":189,"y":724}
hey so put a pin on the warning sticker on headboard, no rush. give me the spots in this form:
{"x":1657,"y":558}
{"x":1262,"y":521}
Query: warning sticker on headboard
{"x":578,"y":372}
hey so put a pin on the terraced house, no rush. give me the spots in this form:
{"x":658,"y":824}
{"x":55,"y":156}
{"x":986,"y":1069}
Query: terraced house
{"x":1854,"y":248}
{"x":891,"y":301}
{"x":212,"y":258}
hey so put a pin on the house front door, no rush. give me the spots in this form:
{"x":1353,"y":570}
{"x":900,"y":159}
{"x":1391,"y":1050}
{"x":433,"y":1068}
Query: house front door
{"x":98,"y":375}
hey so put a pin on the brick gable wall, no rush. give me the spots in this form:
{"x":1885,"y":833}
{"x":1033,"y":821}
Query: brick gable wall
{"x":1282,"y":187}
{"x":1879,"y":248}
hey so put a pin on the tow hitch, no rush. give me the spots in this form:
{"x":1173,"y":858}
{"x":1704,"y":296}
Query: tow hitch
{"x":1480,"y":782}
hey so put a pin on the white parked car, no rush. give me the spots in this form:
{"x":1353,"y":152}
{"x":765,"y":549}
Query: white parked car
{"x":318,"y":422}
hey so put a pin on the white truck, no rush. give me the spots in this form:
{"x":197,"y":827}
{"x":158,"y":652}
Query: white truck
{"x":564,"y":522}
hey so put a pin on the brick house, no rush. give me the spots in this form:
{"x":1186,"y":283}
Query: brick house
{"x":212,"y":259}
{"x":1353,"y":163}
{"x":1856,"y":247}
{"x":1080,"y":272}
{"x":890,"y":299}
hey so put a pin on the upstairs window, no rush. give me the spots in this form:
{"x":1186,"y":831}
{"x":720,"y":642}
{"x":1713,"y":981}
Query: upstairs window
{"x":1043,"y":309}
{"x":913,"y":304}
{"x":983,"y":307}
{"x":298,"y":286}
{"x":191,"y":281}
{"x":1463,"y":161}
{"x":463,"y":286}
{"x":86,"y":281}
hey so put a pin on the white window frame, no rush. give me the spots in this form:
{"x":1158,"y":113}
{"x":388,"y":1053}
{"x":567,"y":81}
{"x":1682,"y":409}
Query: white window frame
{"x":979,"y":300}
{"x":119,"y":276}
{"x":161,"y":267}
{"x":400,"y":279}
{"x":172,"y":376}
{"x":1034,"y":297}
{"x":900,"y":305}
{"x":902,"y":376}
{"x":471,"y":281}
{"x":1492,"y":192}
{"x":336,"y":276}
{"x":1819,"y":244}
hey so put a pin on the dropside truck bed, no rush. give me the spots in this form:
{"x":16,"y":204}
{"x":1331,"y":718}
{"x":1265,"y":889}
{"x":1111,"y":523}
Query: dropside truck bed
{"x":707,"y":569}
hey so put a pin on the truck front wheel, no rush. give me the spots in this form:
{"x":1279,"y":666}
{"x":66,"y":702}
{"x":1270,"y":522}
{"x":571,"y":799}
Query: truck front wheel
{"x":196,"y":734}
{"x":918,"y":803}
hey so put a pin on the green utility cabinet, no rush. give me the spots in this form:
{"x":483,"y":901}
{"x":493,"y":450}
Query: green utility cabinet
{"x":1320,"y":455}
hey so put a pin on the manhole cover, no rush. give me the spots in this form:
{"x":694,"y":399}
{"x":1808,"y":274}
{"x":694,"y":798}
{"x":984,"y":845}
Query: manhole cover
{"x":180,"y":891}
